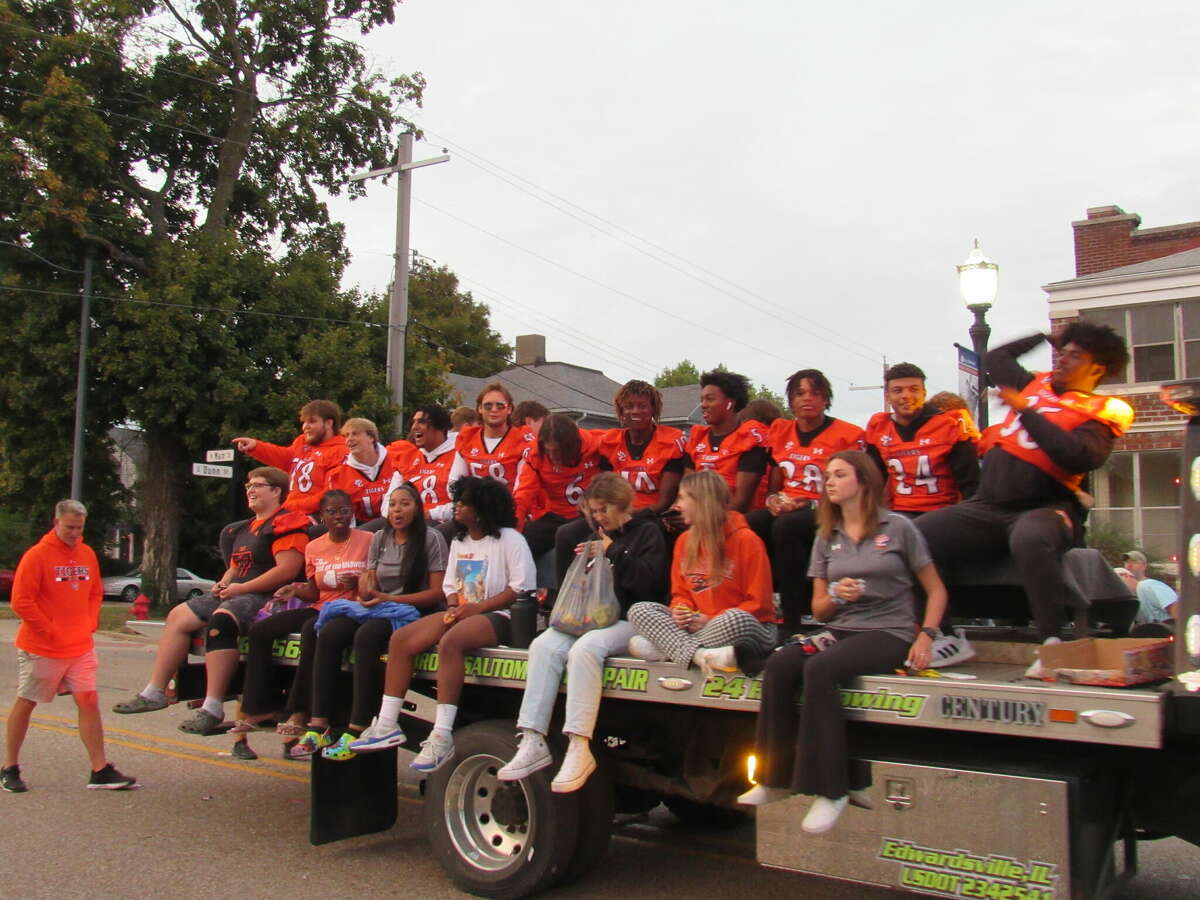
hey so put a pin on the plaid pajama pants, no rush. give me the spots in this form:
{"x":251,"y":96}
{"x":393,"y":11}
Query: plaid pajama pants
{"x":732,"y":627}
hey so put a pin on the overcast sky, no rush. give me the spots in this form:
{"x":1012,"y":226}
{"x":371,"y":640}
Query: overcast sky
{"x":778,"y":185}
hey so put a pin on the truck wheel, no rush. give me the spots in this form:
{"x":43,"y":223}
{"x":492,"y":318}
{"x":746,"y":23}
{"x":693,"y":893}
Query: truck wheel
{"x":493,"y":838}
{"x":597,"y":806}
{"x":703,"y":815}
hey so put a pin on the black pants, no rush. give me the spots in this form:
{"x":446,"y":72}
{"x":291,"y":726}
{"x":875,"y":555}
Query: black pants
{"x":805,"y":750}
{"x":315,"y":688}
{"x":540,"y":536}
{"x":258,"y":695}
{"x":1037,"y":539}
{"x":566,"y":539}
{"x":789,"y":539}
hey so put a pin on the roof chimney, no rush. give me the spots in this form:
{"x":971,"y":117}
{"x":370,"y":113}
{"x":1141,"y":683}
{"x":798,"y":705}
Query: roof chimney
{"x":531,"y":349}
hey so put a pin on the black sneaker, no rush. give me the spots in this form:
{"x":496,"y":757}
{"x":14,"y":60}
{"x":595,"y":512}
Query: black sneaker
{"x":109,"y":779}
{"x":10,"y":780}
{"x":242,"y":750}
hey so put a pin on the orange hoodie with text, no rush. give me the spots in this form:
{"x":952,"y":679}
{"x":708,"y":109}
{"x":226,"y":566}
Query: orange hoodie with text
{"x":57,"y":594}
{"x":745,"y":583}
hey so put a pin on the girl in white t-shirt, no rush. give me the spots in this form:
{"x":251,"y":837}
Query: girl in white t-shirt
{"x":488,"y":566}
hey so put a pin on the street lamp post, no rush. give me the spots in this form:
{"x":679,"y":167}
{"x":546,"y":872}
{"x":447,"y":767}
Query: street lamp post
{"x":978,"y":280}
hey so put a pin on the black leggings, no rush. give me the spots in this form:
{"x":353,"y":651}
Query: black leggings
{"x":789,"y":539}
{"x":315,"y":688}
{"x":805,"y":750}
{"x":258,"y":682}
{"x":540,"y":536}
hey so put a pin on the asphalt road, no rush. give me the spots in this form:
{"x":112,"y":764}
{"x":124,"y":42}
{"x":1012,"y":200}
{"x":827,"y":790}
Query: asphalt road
{"x":206,"y":825}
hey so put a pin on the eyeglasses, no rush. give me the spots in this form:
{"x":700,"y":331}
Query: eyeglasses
{"x":257,"y":484}
{"x":494,"y":405}
{"x":340,"y":511}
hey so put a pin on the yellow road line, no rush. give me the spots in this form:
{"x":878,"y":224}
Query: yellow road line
{"x":208,"y":760}
{"x":158,"y":739}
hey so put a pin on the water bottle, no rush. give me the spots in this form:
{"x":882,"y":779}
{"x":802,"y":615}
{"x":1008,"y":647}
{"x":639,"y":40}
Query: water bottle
{"x":523,"y":620}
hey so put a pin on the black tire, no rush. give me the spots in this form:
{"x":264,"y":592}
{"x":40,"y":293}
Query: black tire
{"x":194,"y":593}
{"x":496,"y":839}
{"x":703,"y":815}
{"x":130,"y":593}
{"x":597,"y":806}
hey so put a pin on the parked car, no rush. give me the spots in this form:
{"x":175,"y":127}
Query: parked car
{"x":6,"y":583}
{"x":127,"y":587}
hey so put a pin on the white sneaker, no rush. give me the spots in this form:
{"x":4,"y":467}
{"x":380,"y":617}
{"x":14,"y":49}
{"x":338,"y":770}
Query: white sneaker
{"x":532,"y":755}
{"x":861,"y":799}
{"x":577,"y":766}
{"x":1036,"y":670}
{"x":378,"y":736}
{"x":823,"y":814}
{"x":761,"y":794}
{"x":644,"y":648}
{"x":436,"y":751}
{"x":715,"y":659}
{"x":950,"y":650}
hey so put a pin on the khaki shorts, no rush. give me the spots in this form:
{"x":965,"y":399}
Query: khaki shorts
{"x":42,"y":678}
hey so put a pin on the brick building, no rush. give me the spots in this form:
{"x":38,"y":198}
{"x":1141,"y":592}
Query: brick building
{"x":1145,"y":283}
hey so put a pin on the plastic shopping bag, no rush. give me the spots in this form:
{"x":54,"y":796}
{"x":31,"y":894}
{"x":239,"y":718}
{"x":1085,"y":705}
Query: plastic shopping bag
{"x":586,"y":598}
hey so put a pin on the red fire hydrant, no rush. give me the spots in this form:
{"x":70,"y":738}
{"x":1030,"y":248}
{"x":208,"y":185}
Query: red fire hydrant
{"x":141,"y":607}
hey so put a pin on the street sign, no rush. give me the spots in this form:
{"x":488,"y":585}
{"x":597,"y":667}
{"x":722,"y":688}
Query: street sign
{"x":218,"y":455}
{"x":212,"y":471}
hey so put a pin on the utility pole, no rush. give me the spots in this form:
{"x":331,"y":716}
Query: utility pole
{"x":398,"y":300}
{"x":85,"y":327}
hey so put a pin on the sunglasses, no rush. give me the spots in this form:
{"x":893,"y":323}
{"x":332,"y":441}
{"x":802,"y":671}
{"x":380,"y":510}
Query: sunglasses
{"x":494,"y":405}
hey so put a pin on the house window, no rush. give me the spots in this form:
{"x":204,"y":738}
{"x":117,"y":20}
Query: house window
{"x":1138,"y":494}
{"x":1163,"y":340}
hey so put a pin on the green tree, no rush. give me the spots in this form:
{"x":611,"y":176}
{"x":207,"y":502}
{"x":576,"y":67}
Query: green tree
{"x":681,"y":374}
{"x":187,"y":143}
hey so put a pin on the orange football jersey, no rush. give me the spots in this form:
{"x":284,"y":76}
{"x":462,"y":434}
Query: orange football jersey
{"x":644,"y":473}
{"x":803,"y":465}
{"x":919,"y":477}
{"x":307,"y":467}
{"x":366,"y":496}
{"x":562,"y":486}
{"x":502,"y":461}
{"x":724,"y":458}
{"x":431,"y":477}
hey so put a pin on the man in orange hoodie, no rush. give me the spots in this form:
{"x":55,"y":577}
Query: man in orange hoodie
{"x":57,"y":593}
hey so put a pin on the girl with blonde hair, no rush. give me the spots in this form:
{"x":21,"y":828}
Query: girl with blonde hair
{"x":720,"y":586}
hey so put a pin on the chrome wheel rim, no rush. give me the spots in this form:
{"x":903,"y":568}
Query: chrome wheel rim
{"x":488,"y":820}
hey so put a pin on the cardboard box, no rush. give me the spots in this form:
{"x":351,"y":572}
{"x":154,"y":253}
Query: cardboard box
{"x":1111,"y":662}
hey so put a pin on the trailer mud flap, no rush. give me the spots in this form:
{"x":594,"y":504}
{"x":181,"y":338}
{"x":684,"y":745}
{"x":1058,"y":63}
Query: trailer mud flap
{"x":352,"y":798}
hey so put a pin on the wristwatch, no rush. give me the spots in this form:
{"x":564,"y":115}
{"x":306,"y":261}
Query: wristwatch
{"x":934,"y":633}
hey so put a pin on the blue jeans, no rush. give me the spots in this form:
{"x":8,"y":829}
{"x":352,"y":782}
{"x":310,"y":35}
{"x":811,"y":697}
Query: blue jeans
{"x":583,"y":658}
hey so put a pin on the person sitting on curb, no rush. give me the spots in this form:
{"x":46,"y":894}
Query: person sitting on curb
{"x":263,"y":554}
{"x":57,"y":593}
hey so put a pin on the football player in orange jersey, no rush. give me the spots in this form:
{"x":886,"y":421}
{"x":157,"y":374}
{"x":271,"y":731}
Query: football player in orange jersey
{"x":559,"y":469}
{"x":496,"y":447}
{"x":733,"y":449}
{"x":950,"y":402}
{"x":646,"y":454}
{"x":799,"y":450}
{"x":426,"y":461}
{"x":1027,"y":505}
{"x":307,"y":459}
{"x":926,"y":457}
{"x":365,"y":473}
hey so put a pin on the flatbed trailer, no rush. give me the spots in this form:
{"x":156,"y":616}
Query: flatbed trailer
{"x":985,"y":784}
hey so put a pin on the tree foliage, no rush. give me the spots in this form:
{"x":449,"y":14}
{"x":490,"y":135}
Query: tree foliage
{"x":190,"y":145}
{"x":681,"y":374}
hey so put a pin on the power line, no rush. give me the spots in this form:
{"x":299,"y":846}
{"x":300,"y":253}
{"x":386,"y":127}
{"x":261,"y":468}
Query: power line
{"x":788,"y":316}
{"x":610,"y":288}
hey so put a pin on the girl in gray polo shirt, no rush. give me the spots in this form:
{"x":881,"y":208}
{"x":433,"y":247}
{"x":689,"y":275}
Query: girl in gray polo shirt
{"x":864,"y":564}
